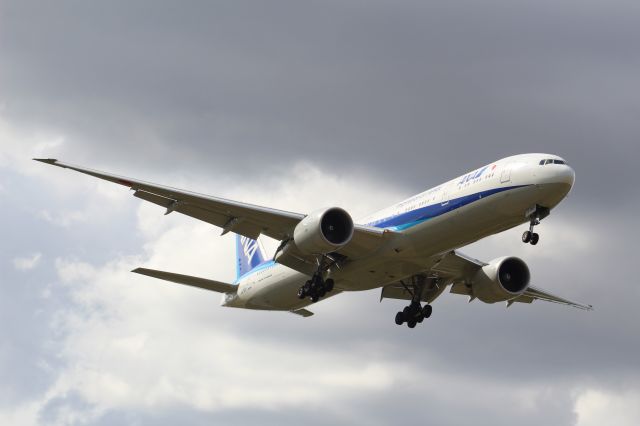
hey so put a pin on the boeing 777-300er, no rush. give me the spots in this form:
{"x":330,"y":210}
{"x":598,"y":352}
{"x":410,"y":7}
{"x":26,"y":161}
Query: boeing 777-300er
{"x":408,"y":250}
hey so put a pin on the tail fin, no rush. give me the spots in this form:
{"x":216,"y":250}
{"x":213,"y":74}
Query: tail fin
{"x":249,"y":254}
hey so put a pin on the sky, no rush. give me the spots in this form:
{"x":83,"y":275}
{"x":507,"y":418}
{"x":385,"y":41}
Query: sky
{"x":299,"y":105}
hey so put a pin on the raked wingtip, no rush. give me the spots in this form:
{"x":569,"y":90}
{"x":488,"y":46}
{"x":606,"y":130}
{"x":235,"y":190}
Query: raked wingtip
{"x":46,"y":160}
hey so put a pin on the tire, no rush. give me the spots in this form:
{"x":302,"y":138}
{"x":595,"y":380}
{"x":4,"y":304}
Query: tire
{"x":420,"y":319}
{"x":526,"y":236}
{"x":307,"y":286}
{"x":534,"y":239}
{"x":315,"y":298}
{"x":321,"y":292}
{"x":406,"y":312}
{"x":301,"y":293}
{"x":411,"y":324}
{"x":328,"y":284}
{"x":426,"y":311}
{"x":399,"y":318}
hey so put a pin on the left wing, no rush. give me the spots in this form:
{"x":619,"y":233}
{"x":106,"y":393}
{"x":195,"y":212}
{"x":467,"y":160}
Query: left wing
{"x":242,"y":218}
{"x":458,"y":270}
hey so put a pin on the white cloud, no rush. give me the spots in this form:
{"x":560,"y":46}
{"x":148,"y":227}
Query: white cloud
{"x":27,"y":263}
{"x":134,"y":342}
{"x":598,"y":407}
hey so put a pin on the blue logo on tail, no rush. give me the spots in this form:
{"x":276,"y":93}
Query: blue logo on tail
{"x":248,"y":255}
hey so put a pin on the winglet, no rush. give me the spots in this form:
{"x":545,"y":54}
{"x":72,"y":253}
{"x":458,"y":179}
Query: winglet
{"x":47,"y":160}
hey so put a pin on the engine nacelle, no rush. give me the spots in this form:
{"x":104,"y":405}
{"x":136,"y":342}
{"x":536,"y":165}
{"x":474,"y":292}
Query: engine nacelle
{"x":502,"y":279}
{"x":323,"y":231}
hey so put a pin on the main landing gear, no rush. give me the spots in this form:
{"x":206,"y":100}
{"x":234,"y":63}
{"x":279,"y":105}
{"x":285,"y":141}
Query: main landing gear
{"x":539,"y":213}
{"x":415,"y":313}
{"x":315,"y":288}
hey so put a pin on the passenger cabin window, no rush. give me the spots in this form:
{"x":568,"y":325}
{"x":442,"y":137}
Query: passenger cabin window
{"x":542,"y":162}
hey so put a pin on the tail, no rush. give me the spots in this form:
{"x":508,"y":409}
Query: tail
{"x":249,"y":254}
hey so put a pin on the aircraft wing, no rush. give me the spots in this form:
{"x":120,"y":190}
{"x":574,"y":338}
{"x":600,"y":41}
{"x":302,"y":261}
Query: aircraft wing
{"x":459,"y":270}
{"x":233,"y":216}
{"x":203,"y":283}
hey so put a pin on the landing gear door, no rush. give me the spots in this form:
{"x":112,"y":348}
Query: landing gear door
{"x":506,"y":174}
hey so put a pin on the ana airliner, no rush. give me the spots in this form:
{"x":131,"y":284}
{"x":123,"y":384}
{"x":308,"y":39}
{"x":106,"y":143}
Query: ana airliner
{"x":408,"y":250}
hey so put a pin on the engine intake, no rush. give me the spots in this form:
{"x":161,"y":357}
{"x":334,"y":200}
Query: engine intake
{"x":323,"y":231}
{"x":502,"y":279}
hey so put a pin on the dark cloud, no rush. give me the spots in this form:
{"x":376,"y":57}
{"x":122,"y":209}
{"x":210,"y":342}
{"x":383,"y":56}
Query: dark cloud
{"x":406,"y":86}
{"x":415,"y":92}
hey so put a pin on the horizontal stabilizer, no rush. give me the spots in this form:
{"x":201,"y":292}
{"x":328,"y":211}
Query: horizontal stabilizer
{"x":211,"y":285}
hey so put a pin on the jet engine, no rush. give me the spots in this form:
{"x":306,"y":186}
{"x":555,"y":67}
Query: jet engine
{"x":502,"y":279}
{"x":323,"y":231}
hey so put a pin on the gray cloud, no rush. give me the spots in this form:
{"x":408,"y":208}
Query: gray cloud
{"x":344,"y":83}
{"x":403,"y":94}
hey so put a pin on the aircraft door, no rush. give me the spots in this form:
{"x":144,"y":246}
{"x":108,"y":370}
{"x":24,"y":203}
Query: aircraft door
{"x":506,"y":174}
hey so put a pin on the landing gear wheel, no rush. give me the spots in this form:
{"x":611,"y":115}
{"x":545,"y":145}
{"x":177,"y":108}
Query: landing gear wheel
{"x":526,"y":236}
{"x":315,"y":298}
{"x":534,"y":239}
{"x":406,"y":313}
{"x":420,"y":318}
{"x":301,"y":293}
{"x":426,"y":311}
{"x":328,"y":285}
{"x":399,"y":318}
{"x":412,"y":323}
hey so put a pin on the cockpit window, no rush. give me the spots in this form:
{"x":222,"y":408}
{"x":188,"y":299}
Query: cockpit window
{"x":551,"y":161}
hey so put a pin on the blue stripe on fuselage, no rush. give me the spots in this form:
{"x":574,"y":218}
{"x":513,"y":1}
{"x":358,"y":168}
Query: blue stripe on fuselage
{"x":409,"y":219}
{"x":414,"y":217}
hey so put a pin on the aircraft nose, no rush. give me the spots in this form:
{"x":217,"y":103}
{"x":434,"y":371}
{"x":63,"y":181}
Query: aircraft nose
{"x":566,"y":174}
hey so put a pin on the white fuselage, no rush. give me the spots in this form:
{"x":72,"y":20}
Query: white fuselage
{"x":480,"y":203}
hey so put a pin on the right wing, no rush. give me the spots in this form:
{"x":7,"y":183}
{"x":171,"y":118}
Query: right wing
{"x":203,"y":283}
{"x":242,"y":218}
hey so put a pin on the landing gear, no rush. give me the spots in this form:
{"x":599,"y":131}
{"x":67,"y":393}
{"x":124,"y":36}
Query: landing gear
{"x":316,"y":288}
{"x":538,"y":213}
{"x":415,"y":313}
{"x":530,"y":237}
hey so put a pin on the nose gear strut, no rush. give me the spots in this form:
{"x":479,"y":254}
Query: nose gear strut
{"x":535,"y":217}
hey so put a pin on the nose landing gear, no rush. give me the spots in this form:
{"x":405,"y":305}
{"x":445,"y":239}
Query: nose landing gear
{"x":538,"y":213}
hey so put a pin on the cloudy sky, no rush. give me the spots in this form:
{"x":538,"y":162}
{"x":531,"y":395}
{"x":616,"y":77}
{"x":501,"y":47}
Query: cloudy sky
{"x":298,"y":105}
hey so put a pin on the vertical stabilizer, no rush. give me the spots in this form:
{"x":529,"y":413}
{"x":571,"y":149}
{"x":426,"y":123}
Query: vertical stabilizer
{"x":249,"y":254}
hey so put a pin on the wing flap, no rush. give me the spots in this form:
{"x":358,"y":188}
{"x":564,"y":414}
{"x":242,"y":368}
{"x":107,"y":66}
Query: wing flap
{"x":534,"y":293}
{"x":203,"y":283}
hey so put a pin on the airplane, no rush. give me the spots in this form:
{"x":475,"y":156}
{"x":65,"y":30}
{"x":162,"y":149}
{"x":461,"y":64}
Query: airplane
{"x":409,"y":250}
